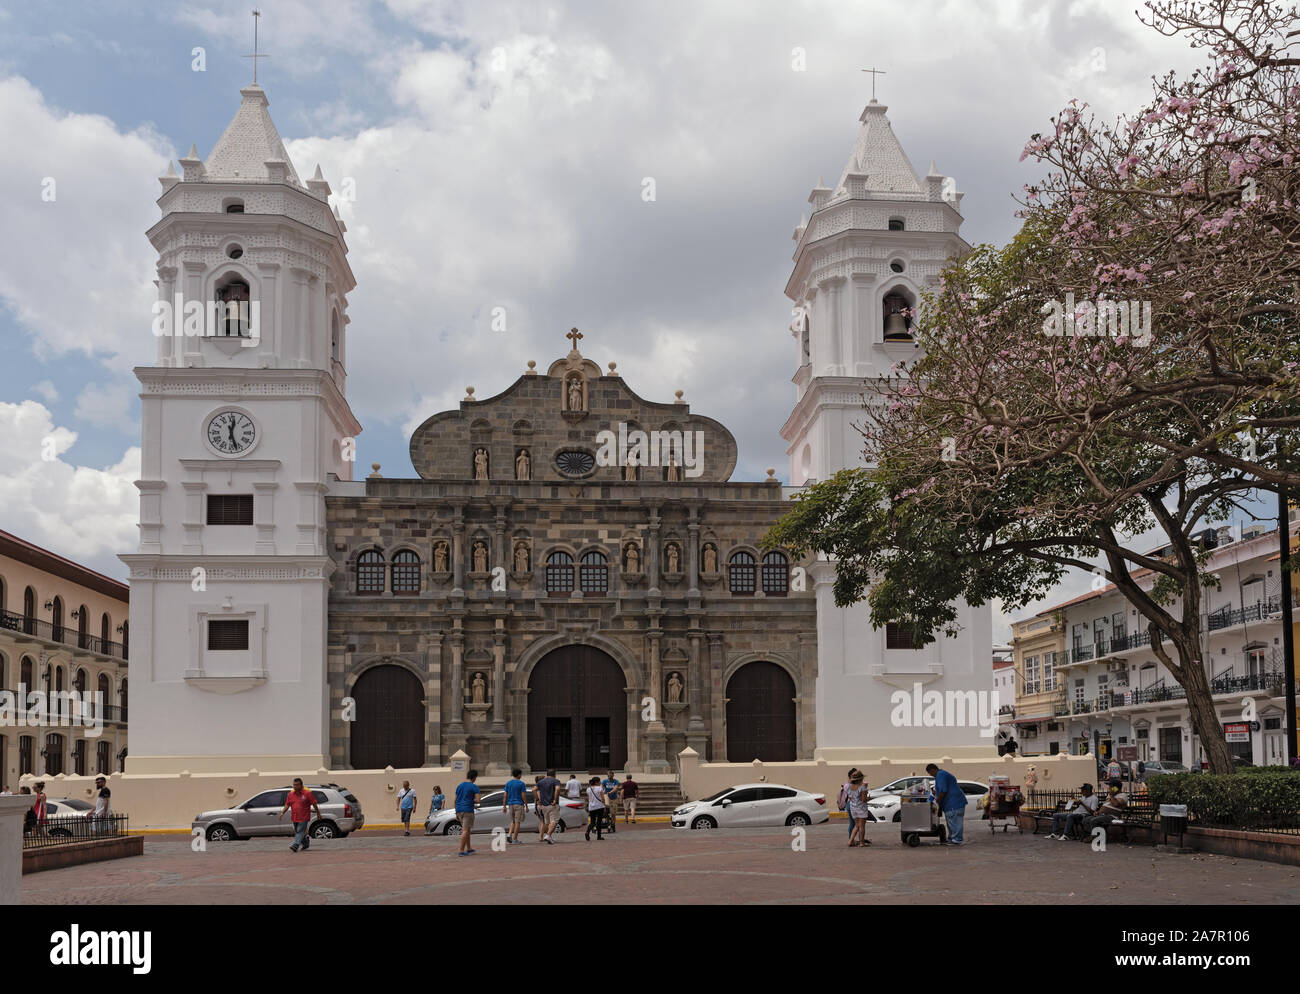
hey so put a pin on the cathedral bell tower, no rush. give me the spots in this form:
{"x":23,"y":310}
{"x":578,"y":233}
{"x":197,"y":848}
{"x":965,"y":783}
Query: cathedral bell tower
{"x":872,"y":245}
{"x":245,"y":421}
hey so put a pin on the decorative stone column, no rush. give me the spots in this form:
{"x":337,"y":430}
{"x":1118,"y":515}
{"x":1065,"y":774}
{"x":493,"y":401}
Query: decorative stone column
{"x":693,"y":557}
{"x":431,"y":647}
{"x":458,"y":554}
{"x":656,"y":735}
{"x":834,"y":288}
{"x":713,"y":687}
{"x":456,"y":728}
{"x":697,"y":735}
{"x":652,"y":562}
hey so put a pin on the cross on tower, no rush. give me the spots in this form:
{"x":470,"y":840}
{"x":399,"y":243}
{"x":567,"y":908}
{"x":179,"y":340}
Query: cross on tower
{"x":575,"y":335}
{"x":874,"y":73}
{"x":257,"y":14}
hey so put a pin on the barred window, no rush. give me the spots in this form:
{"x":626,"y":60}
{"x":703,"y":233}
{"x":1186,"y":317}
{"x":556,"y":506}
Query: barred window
{"x":593,"y":575}
{"x":370,"y":572}
{"x":776,"y":574}
{"x":227,"y":634}
{"x":102,"y":759}
{"x":898,"y":636}
{"x":230,"y":509}
{"x":743,"y":573}
{"x":406,"y":572}
{"x":559,"y":573}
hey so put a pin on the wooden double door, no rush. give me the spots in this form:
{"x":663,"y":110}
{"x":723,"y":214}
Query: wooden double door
{"x":390,"y":719}
{"x":577,"y":712}
{"x":760,"y":715}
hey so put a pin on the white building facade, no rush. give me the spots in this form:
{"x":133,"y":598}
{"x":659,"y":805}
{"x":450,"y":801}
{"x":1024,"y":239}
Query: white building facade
{"x":871,"y":247}
{"x":1107,"y":690}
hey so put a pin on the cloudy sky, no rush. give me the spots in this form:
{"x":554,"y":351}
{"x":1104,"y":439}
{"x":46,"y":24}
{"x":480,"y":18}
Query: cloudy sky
{"x":498,"y":152}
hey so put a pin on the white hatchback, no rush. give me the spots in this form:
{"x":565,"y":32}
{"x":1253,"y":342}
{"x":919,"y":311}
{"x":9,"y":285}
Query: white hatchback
{"x":753,"y":805}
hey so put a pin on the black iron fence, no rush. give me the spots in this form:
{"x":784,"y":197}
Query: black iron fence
{"x":27,"y":625}
{"x":61,"y":830}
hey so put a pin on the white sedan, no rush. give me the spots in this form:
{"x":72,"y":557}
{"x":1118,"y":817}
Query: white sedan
{"x":886,"y":806}
{"x":753,"y":805}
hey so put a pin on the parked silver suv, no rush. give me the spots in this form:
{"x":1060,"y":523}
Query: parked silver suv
{"x":340,"y":813}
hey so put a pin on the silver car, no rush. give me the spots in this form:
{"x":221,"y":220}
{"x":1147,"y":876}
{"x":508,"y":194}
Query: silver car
{"x":488,"y":815}
{"x":340,"y":813}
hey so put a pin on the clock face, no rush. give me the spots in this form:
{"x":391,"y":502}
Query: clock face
{"x":231,"y":432}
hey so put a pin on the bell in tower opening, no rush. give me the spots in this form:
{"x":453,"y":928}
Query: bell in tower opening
{"x":232,"y":301}
{"x":898,"y":318}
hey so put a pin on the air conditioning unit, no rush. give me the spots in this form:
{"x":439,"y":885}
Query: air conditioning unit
{"x":1117,"y":666}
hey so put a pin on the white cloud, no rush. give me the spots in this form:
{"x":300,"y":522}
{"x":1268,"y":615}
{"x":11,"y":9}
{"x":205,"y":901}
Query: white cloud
{"x":46,"y":390}
{"x":108,"y":405}
{"x":83,"y":513}
{"x":76,"y":271}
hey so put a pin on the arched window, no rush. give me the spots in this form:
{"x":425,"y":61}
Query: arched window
{"x":103,"y":759}
{"x":53,"y":754}
{"x":370,"y":572}
{"x":743,"y":573}
{"x":593,"y":575}
{"x":3,"y":590}
{"x":559,"y":574}
{"x":126,"y":640}
{"x":56,"y":620}
{"x":83,"y":627}
{"x":776,"y":574}
{"x":121,"y":693}
{"x":897,"y":224}
{"x":25,"y":674}
{"x":58,"y":706}
{"x":29,"y":611}
{"x":105,"y":632}
{"x":406,"y":572}
{"x":104,"y":690}
{"x":334,"y":336}
{"x":233,"y":306}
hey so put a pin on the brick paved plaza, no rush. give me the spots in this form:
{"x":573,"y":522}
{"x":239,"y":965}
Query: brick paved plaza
{"x":649,"y":864}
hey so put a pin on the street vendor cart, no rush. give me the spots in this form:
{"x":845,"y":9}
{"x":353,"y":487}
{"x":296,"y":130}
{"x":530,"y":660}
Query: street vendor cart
{"x":919,"y":816}
{"x":1005,"y":799}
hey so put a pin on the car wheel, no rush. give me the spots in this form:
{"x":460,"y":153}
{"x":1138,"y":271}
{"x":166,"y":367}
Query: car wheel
{"x":60,"y":833}
{"x":898,"y":815}
{"x":453,"y":828}
{"x":798,"y":818}
{"x":913,"y":840}
{"x":324,"y":830}
{"x":221,"y":833}
{"x":561,"y":826}
{"x":704,"y":822}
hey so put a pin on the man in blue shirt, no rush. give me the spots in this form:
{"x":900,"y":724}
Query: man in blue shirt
{"x":513,"y":802}
{"x":466,"y":800}
{"x":610,"y":785}
{"x":951,"y":801}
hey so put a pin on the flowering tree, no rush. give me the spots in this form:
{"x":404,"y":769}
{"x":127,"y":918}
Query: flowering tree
{"x":1129,"y":363}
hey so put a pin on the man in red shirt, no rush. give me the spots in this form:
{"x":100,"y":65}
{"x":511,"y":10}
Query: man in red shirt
{"x":303,"y":803}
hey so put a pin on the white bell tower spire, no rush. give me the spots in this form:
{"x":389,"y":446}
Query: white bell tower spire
{"x":872,"y":245}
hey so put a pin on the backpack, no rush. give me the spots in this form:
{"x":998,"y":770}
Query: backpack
{"x":842,"y":801}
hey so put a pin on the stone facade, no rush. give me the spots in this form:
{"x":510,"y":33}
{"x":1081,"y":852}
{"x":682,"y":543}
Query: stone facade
{"x":502,"y":621}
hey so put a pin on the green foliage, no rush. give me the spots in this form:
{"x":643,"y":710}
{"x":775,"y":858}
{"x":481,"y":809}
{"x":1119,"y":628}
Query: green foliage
{"x":1266,"y":797}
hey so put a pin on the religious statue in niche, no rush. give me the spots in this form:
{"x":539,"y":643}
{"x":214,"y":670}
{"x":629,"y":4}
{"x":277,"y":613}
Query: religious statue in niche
{"x":480,"y":556}
{"x":674,"y":471}
{"x":521,"y":558}
{"x":632,"y":558}
{"x":440,"y":557}
{"x":629,"y":471}
{"x":478,"y":689}
{"x":523,"y":465}
{"x":675,"y":687}
{"x":480,"y":464}
{"x":710,"y":558}
{"x":575,"y":393}
{"x":672,"y":557}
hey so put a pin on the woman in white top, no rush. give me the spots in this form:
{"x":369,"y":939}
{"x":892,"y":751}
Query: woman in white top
{"x":858,"y":795}
{"x":595,"y":808}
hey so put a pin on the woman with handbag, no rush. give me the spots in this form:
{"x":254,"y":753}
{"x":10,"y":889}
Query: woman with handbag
{"x":596,"y":802}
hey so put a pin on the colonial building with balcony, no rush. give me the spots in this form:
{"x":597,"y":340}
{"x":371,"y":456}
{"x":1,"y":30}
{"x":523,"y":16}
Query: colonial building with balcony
{"x":1087,"y":680}
{"x":64,"y":637}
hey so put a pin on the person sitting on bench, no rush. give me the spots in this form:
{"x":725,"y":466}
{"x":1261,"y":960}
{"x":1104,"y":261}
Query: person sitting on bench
{"x":1113,"y":807}
{"x":1064,"y":822}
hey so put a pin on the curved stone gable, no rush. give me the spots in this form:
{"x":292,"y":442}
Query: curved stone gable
{"x":528,"y":414}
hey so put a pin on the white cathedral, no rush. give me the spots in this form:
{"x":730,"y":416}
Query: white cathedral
{"x":245,"y":641}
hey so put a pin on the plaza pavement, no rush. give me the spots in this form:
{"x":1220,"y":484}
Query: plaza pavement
{"x":655,"y":864}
